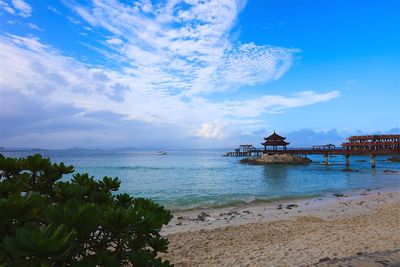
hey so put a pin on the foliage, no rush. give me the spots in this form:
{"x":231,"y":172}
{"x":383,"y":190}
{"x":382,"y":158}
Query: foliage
{"x":49,"y":221}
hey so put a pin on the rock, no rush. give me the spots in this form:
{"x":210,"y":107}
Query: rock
{"x":390,"y":171}
{"x":349,"y":170}
{"x":202,"y":216}
{"x":180,"y":218}
{"x":231,"y":213}
{"x":394,"y":159}
{"x":247,"y":212}
{"x":276,"y":159}
{"x":340,"y":195}
{"x":290,"y":206}
{"x":179,"y":223}
{"x":324,"y":259}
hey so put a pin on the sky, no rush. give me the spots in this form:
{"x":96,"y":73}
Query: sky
{"x":196,"y":73}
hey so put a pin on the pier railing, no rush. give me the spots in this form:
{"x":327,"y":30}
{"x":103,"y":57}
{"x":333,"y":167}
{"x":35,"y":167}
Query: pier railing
{"x":314,"y":151}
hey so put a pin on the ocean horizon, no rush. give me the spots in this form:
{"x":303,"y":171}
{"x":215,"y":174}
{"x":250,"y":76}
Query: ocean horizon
{"x":190,"y":179}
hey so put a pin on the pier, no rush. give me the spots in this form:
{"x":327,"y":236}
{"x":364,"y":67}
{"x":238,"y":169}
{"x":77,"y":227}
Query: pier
{"x":245,"y":151}
{"x":367,"y":145}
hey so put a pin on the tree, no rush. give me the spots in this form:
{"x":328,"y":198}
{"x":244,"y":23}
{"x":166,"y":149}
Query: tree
{"x":49,"y":221}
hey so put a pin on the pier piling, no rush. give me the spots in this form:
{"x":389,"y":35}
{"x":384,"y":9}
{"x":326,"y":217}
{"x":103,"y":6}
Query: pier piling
{"x":326,"y":156}
{"x":373,"y":161}
{"x":347,"y":156}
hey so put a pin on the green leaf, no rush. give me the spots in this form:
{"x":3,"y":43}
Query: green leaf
{"x":19,"y":209}
{"x":39,"y":241}
{"x":9,"y":167}
{"x":79,"y":222}
{"x":109,"y":184}
{"x":159,"y":244}
{"x":63,"y":191}
{"x":124,"y":200}
{"x":78,"y":215}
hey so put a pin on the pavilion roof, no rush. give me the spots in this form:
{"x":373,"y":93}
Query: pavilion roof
{"x":274,"y":137}
{"x":275,"y":143}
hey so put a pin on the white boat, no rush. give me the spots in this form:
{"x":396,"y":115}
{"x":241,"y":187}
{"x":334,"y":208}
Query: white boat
{"x":161,"y":153}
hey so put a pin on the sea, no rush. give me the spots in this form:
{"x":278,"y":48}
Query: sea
{"x":188,"y":179}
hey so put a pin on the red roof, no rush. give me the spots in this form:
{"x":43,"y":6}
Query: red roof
{"x":372,"y":137}
{"x":274,"y":137}
{"x":275,"y":143}
{"x":275,"y":140}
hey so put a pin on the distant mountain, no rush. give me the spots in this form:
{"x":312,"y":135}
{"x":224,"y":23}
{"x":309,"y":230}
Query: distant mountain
{"x":21,"y":149}
{"x":78,"y":149}
{"x":128,"y":148}
{"x":393,"y":131}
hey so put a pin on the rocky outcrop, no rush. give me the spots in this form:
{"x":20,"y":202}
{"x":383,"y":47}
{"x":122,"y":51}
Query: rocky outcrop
{"x":276,"y":159}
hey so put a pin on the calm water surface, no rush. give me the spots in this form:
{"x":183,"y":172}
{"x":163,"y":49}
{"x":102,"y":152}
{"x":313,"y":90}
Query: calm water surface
{"x":189,"y":179}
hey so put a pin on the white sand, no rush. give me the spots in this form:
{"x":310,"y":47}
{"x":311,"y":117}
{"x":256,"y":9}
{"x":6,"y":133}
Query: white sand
{"x":264,"y":235}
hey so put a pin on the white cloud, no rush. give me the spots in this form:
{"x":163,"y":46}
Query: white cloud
{"x":114,"y":41}
{"x":17,"y":7}
{"x":34,"y":27}
{"x":37,"y":69}
{"x":173,"y":59}
{"x":212,"y":130}
{"x":23,"y":8}
{"x":188,"y":49}
{"x":252,"y":64}
{"x":54,"y":10}
{"x":7,"y":7}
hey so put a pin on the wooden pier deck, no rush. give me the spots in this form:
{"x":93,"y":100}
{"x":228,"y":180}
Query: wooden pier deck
{"x":311,"y":151}
{"x":336,"y":151}
{"x":325,"y":152}
{"x":369,"y":145}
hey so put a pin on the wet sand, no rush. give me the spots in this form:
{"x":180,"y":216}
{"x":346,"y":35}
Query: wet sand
{"x":289,"y":233}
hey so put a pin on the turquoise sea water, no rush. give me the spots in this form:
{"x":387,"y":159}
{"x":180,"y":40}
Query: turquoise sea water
{"x":190,"y":179}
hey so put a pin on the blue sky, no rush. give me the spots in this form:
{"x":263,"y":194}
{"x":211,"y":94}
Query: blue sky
{"x":108,"y":73}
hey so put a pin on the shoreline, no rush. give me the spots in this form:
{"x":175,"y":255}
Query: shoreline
{"x":269,"y":210}
{"x":250,"y":200}
{"x":287,"y":233}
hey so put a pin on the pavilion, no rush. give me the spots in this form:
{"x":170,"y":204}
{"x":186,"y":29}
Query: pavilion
{"x":275,"y":140}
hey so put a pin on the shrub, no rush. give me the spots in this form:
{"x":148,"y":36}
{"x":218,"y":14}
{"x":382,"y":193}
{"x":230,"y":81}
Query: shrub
{"x":48,"y":222}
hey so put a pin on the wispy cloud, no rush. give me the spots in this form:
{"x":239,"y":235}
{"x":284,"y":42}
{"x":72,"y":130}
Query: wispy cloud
{"x":54,"y":10}
{"x":36,"y":69}
{"x":172,"y":58}
{"x":186,"y":44}
{"x":17,"y":7}
{"x":34,"y":26}
{"x":23,"y":8}
{"x":6,"y":7}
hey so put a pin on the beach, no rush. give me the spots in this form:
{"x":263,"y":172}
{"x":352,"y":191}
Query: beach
{"x":232,"y":214}
{"x":287,"y":233}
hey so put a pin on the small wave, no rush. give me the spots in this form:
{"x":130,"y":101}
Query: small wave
{"x":237,"y":202}
{"x":132,"y":168}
